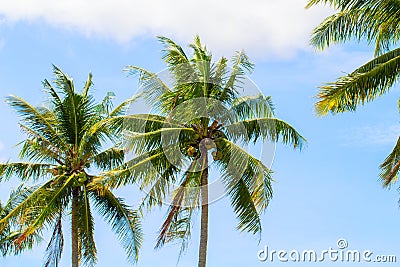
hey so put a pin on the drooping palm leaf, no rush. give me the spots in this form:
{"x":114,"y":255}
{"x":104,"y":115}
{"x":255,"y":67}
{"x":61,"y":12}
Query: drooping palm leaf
{"x":56,"y":245}
{"x":124,"y":221}
{"x":371,"y":80}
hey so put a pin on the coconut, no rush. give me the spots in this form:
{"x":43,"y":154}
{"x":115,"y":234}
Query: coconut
{"x":82,"y":177}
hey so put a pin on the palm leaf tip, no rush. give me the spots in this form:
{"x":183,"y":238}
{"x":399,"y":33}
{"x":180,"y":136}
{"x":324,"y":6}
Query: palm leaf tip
{"x":55,"y":247}
{"x":322,"y":108}
{"x":391,"y":165}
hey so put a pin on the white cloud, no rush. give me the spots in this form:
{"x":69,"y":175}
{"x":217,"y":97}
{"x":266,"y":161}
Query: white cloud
{"x":263,"y":27}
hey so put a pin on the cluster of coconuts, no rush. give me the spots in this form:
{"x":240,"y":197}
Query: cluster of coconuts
{"x":80,"y":178}
{"x":208,"y":144}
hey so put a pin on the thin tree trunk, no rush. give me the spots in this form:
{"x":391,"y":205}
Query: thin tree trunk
{"x":74,"y":229}
{"x":204,"y":210}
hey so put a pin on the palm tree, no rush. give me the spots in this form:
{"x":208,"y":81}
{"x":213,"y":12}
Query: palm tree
{"x":198,"y":124}
{"x":65,"y":139}
{"x":376,"y":22}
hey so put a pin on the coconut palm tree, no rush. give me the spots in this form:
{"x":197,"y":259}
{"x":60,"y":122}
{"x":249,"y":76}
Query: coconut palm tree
{"x":65,"y":148}
{"x":196,"y":128}
{"x":376,"y":22}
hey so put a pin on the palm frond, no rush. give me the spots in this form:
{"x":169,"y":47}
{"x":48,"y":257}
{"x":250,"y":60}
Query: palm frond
{"x":38,"y":148}
{"x":124,"y":221}
{"x":11,"y":232}
{"x":88,"y":85}
{"x":240,"y":65}
{"x":25,"y":170}
{"x":77,"y":112}
{"x":98,"y":133}
{"x":271,"y":129}
{"x":177,"y":224}
{"x":63,"y":81}
{"x":220,"y":71}
{"x":250,"y":107}
{"x":19,"y":201}
{"x":338,"y":28}
{"x":180,"y":66}
{"x":248,"y":183}
{"x":146,"y":141}
{"x":152,"y":86}
{"x":374,"y":21}
{"x":85,"y":225}
{"x":201,"y":55}
{"x":173,"y":53}
{"x":371,"y":80}
{"x":9,"y":246}
{"x":54,"y":199}
{"x":145,"y":168}
{"x":390,"y":166}
{"x":55,"y":247}
{"x":176,"y":227}
{"x":38,"y":119}
{"x":109,"y":159}
{"x":54,"y":97}
{"x":122,"y":108}
{"x":157,"y":190}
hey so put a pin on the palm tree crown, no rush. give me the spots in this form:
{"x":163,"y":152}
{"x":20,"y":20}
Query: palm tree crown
{"x":64,"y":145}
{"x":198,"y":123}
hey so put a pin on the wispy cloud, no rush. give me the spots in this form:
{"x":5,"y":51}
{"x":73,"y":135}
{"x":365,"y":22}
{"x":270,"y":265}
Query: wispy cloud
{"x":373,"y":135}
{"x":264,"y":27}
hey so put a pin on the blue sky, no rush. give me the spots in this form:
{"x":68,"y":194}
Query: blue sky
{"x":330,"y":190}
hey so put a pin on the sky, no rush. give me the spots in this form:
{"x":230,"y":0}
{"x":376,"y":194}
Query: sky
{"x":328,"y":191}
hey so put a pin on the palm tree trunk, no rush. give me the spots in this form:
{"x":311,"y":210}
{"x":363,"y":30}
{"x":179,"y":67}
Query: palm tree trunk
{"x":204,"y":210}
{"x":74,"y":229}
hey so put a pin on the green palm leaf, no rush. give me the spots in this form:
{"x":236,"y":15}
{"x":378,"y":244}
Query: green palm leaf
{"x":86,"y":230}
{"x":55,"y":247}
{"x":25,"y":170}
{"x":371,"y":80}
{"x":124,"y":221}
{"x":248,"y":182}
{"x":271,"y":129}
